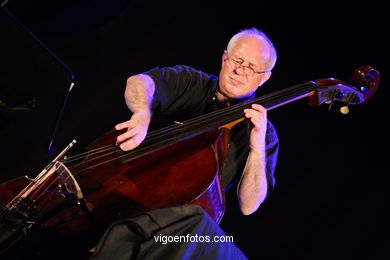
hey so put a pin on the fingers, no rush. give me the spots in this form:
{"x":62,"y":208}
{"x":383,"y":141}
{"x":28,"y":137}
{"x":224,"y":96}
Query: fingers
{"x":259,"y":108}
{"x":131,"y":143}
{"x":133,"y":137}
{"x":131,"y":130}
{"x":257,"y":122}
{"x":257,"y":114}
{"x":121,"y":126}
{"x":126,"y":135}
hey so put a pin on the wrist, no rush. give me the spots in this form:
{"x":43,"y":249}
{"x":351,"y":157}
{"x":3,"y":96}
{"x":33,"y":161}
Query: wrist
{"x":144,"y":116}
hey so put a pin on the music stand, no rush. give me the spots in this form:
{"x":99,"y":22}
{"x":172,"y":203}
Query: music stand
{"x":34,"y":86}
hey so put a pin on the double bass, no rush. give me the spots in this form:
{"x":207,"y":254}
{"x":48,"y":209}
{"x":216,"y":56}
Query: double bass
{"x":176,"y":165}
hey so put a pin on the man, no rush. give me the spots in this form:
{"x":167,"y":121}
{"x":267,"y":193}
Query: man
{"x":180,"y":93}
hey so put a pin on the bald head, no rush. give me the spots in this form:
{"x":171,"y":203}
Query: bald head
{"x":254,"y":36}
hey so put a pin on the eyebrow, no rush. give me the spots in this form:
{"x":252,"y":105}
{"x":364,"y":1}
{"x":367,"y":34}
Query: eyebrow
{"x":250,"y":63}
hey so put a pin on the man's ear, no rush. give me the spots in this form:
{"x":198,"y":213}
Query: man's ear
{"x":224,"y":56}
{"x":265,"y":77}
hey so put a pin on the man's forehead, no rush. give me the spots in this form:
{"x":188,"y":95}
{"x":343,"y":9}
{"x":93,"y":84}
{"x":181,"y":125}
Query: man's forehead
{"x":251,"y":48}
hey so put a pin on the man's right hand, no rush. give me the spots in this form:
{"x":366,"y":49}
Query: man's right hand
{"x":137,"y":128}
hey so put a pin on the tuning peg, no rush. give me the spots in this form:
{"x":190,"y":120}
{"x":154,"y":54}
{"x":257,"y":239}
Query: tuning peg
{"x":345,"y":109}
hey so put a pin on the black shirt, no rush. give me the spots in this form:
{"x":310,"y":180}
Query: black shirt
{"x":183,"y":93}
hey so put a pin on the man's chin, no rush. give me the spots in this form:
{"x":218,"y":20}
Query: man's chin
{"x":231,"y":92}
{"x":234,"y":94}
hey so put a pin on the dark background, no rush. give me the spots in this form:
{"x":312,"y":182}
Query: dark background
{"x":330,"y":197}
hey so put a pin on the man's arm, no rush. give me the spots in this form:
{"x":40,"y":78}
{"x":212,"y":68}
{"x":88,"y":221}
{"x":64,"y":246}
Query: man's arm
{"x":252,"y":188}
{"x":138,"y":96}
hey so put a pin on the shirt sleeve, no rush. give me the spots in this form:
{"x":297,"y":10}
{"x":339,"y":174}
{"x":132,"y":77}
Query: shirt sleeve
{"x":180,"y":91}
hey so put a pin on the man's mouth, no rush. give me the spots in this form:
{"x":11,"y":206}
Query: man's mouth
{"x":235,"y":81}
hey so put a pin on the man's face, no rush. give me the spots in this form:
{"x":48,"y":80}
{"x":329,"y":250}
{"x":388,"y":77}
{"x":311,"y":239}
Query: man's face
{"x":234,"y":82}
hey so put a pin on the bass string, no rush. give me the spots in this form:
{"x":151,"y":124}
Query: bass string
{"x":132,"y":153}
{"x":123,"y":155}
{"x":109,"y":147}
{"x":83,"y":155}
{"x":146,"y":146}
{"x":90,"y":155}
{"x":149,"y":136}
{"x":188,"y":124}
{"x":220,"y":115}
{"x":211,"y":117}
{"x":91,"y":158}
{"x":151,"y":141}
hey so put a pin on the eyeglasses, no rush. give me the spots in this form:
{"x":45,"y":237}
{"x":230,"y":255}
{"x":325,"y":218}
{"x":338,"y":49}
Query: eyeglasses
{"x":237,"y":63}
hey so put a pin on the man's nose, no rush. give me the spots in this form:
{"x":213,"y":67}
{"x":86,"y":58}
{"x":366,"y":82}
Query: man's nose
{"x":239,"y":70}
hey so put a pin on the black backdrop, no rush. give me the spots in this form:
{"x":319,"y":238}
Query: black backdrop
{"x":330,"y":198}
